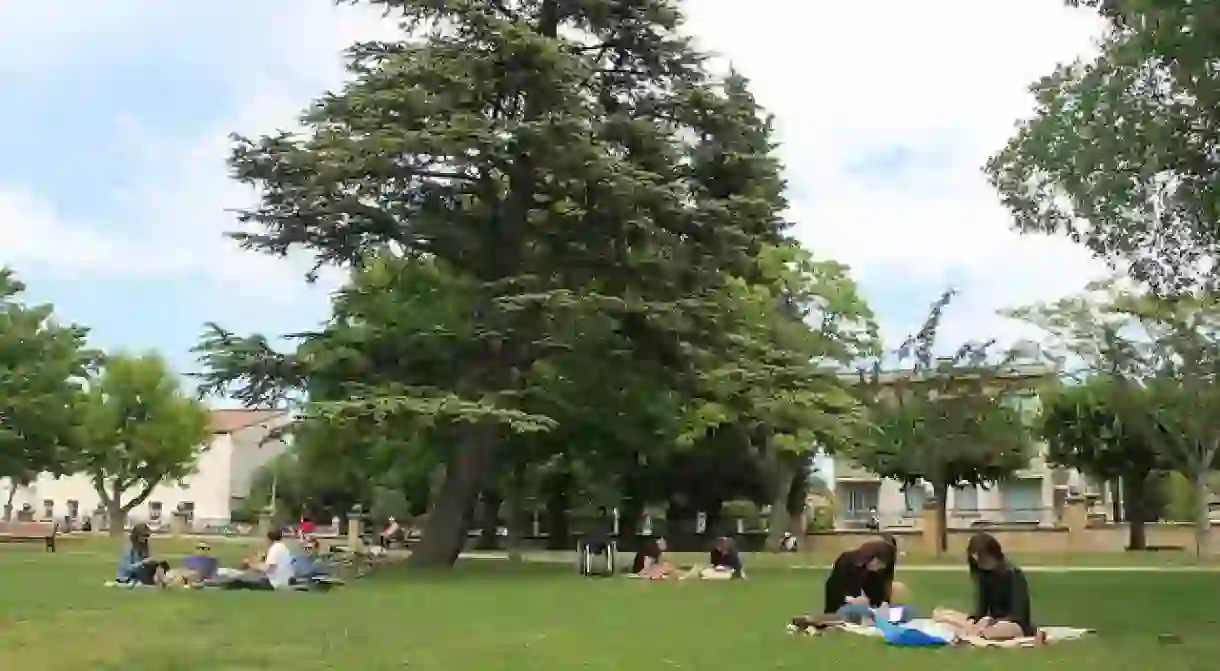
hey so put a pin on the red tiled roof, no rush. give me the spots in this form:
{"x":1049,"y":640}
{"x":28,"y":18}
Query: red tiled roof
{"x":228,"y":421}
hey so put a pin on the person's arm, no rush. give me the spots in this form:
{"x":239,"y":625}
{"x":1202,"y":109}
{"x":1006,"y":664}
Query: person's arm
{"x":128,"y":562}
{"x":1020,"y":601}
{"x":981,"y":605}
{"x":836,"y":587}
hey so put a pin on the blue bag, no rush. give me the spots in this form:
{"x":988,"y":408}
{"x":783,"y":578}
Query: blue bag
{"x":905,"y":636}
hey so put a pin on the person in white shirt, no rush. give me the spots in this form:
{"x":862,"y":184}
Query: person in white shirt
{"x":277,"y":567}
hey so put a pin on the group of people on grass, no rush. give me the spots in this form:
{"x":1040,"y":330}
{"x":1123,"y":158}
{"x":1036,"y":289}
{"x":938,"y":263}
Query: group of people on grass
{"x":276,"y":567}
{"x":861,"y":590}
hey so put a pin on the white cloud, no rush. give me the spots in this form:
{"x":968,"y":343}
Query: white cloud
{"x":944,"y":80}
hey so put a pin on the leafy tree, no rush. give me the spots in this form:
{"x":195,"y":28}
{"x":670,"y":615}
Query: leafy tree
{"x":949,"y":421}
{"x":546,"y":156}
{"x":42,"y":367}
{"x":1120,"y":154}
{"x":1084,"y":432}
{"x":1162,"y":357}
{"x":140,"y":430}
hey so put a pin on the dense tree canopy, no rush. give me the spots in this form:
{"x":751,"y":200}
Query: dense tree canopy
{"x":140,"y":429}
{"x":43,"y":365}
{"x":588,"y":195}
{"x":1084,"y":431}
{"x":1120,"y":154}
{"x":949,"y":421}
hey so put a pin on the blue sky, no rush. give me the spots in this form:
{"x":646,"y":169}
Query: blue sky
{"x":113,"y":190}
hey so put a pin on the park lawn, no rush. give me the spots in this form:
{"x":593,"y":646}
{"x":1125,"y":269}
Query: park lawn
{"x":56,"y":616}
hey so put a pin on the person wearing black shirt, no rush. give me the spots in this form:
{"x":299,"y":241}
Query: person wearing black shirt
{"x":860,"y":579}
{"x":725,"y":563}
{"x":648,"y":563}
{"x":1001,"y":604}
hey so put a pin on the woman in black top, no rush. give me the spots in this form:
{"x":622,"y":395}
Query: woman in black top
{"x":860,"y":580}
{"x":648,"y":562}
{"x":1002,"y":610}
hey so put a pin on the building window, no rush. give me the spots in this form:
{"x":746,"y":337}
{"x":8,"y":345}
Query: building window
{"x":154,"y":511}
{"x":187,"y":508}
{"x":860,"y":499}
{"x":966,"y":499}
{"x":73,"y":509}
{"x":48,"y":509}
{"x":915,"y":497}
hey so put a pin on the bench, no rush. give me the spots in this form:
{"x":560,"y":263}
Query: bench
{"x":30,"y":532}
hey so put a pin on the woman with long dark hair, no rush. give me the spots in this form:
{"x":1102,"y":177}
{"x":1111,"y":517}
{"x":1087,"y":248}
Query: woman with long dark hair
{"x":649,"y":563}
{"x":1001,"y":596}
{"x":860,"y":581}
{"x":137,"y":567}
{"x":1001,"y":604}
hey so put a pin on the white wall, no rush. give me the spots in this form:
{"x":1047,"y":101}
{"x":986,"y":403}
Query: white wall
{"x":223,"y":471}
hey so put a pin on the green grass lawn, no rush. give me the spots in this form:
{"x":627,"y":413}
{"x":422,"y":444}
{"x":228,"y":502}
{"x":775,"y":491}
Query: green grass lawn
{"x":55,"y":615}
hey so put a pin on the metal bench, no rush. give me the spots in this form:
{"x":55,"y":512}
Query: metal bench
{"x":30,"y":532}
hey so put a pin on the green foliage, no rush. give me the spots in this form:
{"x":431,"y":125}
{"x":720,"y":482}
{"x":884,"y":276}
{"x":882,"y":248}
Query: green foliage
{"x":1084,"y":431}
{"x":140,"y":430}
{"x":1160,"y":356}
{"x":1120,"y":154}
{"x":949,"y":421}
{"x":42,"y":367}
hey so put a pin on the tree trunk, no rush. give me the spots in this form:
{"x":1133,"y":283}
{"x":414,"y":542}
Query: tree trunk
{"x":490,"y":520}
{"x":516,"y":513}
{"x":1119,"y":494}
{"x":8,"y":505}
{"x":940,"y":490}
{"x":1202,"y":514}
{"x":444,"y":534}
{"x":780,"y":520}
{"x":1135,"y":496}
{"x":118,"y":518}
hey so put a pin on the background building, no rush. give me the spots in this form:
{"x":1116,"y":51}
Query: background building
{"x":220,"y":484}
{"x":1034,"y":495}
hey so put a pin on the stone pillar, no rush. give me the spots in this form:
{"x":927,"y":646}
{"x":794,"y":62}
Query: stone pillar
{"x":264,"y":523}
{"x":353,"y":528}
{"x":1076,"y":519}
{"x":98,"y":521}
{"x":930,"y":528}
{"x":178,"y":524}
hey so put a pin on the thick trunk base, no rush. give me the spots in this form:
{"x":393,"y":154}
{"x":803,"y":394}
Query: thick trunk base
{"x":444,"y":534}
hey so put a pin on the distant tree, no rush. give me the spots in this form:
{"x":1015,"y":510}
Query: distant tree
{"x":42,"y":367}
{"x":1161,"y":356}
{"x":948,"y":421}
{"x":1084,"y":432}
{"x":140,"y":430}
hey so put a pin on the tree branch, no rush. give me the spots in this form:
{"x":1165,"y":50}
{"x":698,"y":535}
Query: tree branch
{"x":148,"y":490}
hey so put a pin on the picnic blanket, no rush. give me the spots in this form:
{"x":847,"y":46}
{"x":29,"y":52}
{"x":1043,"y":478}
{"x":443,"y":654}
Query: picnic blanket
{"x":937,"y":630}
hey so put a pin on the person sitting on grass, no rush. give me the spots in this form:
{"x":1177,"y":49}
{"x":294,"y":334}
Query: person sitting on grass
{"x":725,"y":563}
{"x":648,"y":561}
{"x":203,"y":563}
{"x":137,"y":567}
{"x":860,"y":581}
{"x":272,"y":571}
{"x":1002,"y":605}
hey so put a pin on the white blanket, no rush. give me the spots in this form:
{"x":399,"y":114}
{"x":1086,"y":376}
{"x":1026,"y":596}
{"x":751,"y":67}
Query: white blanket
{"x":1053,"y":634}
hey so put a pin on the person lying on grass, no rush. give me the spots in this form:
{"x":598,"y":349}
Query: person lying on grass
{"x":1001,"y":596}
{"x":724,"y":563}
{"x":648,"y":562}
{"x":136,"y":566}
{"x":860,"y":581}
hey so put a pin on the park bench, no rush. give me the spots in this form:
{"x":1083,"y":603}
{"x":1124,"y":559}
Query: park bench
{"x":30,"y":532}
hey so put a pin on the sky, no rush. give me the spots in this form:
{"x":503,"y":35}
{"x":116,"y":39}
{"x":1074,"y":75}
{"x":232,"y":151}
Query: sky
{"x":114,"y":194}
